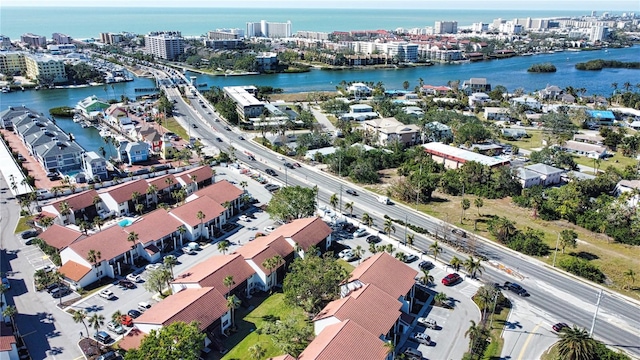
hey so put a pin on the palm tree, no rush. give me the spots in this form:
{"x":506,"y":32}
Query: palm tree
{"x":98,"y":222}
{"x":134,"y":197}
{"x":478,"y":204}
{"x":440,"y":298}
{"x":391,"y":348}
{"x":181,"y":230}
{"x":133,"y":238}
{"x":200,"y":215}
{"x":349,"y":207}
{"x":410,"y":238}
{"x":169,"y":262}
{"x":10,"y":312}
{"x":116,"y":317}
{"x":630,"y":275}
{"x":153,"y":190}
{"x":232,"y":304}
{"x":426,"y":278}
{"x":367,"y":219}
{"x":472,"y":266}
{"x":389,"y":248}
{"x":46,"y":221}
{"x":96,"y":321}
{"x":228,"y":282}
{"x":576,"y":344}
{"x":455,"y":263}
{"x":139,"y":208}
{"x":94,"y":257}
{"x":466,"y":204}
{"x":358,"y":252}
{"x":257,"y":352}
{"x":65,"y":210}
{"x":474,"y":332}
{"x":389,"y":227}
{"x":373,"y":248}
{"x":333,"y":201}
{"x":79,"y":317}
{"x":435,"y":250}
{"x":223,"y":246}
{"x":243,"y":185}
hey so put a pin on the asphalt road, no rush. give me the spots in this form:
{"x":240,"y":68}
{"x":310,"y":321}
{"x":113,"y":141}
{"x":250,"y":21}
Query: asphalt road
{"x":554,"y":294}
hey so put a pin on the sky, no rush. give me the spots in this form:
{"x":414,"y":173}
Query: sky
{"x":600,"y":5}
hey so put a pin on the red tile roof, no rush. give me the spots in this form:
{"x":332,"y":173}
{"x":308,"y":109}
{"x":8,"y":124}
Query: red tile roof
{"x":201,"y":173}
{"x":204,"y":305}
{"x":59,"y":236}
{"x":132,"y":340}
{"x":6,"y":337}
{"x":211,"y":272}
{"x":265,"y":247}
{"x":111,"y":242}
{"x":345,"y":340}
{"x":188,"y":212}
{"x":359,"y":306}
{"x":160,"y":182}
{"x":305,"y":232}
{"x":122,"y":193}
{"x":77,"y":201}
{"x":154,"y":226}
{"x":220,"y":192}
{"x":74,"y":271}
{"x":387,"y":273}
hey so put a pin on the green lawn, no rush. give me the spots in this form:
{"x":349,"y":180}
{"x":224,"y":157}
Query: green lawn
{"x":618,"y":161}
{"x":346,"y":265}
{"x":22,"y":224}
{"x":172,"y":125}
{"x":240,"y":342}
{"x":533,"y":142}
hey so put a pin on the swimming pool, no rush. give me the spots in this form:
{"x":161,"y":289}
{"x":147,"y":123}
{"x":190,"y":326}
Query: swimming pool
{"x":125,"y":222}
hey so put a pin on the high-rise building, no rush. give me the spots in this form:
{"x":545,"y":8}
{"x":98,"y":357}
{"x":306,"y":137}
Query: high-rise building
{"x":12,"y":62}
{"x":445,"y":27}
{"x":269,"y":29}
{"x":110,"y":38}
{"x":165,"y":45}
{"x":5,"y":42}
{"x":34,"y":40}
{"x":61,"y":39}
{"x":598,"y":33}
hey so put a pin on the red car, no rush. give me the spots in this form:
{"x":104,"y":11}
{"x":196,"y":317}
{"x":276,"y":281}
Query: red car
{"x":559,"y":327}
{"x":450,"y":279}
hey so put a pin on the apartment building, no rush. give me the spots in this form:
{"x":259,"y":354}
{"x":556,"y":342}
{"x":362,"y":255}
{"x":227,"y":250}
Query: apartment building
{"x":45,"y":68}
{"x":12,"y":62}
{"x":445,"y":27}
{"x":247,"y":105}
{"x":269,"y":29}
{"x":34,"y":40}
{"x":165,"y":45}
{"x":5,"y":42}
{"x":110,"y":38}
{"x":61,"y":39}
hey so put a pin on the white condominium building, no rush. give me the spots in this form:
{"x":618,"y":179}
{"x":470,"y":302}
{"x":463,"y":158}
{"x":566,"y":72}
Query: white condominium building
{"x":269,"y":29}
{"x":166,"y":45}
{"x":445,"y":27}
{"x":11,"y":62}
{"x":45,"y":68}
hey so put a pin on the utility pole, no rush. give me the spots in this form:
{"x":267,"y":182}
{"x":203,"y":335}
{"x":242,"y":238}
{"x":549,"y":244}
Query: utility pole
{"x":405,"y":229}
{"x":555,"y":254}
{"x":418,"y":192}
{"x":340,"y":208}
{"x":595,"y":315}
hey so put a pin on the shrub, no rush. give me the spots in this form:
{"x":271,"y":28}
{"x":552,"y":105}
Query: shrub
{"x":582,"y":268}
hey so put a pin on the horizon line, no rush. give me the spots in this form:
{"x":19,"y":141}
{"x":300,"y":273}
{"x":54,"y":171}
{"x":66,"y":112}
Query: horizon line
{"x":312,"y":7}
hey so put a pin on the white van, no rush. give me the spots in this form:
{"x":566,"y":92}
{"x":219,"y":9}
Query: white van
{"x":385,"y":200}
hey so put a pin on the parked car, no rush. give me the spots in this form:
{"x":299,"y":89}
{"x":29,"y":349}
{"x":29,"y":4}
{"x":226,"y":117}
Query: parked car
{"x":412,"y":354}
{"x":269,"y":228}
{"x":360,"y":232}
{"x":116,"y":328}
{"x":52,"y":287}
{"x":350,"y":257}
{"x":429,"y":323}
{"x":126,"y":320}
{"x":103,"y":337}
{"x":143,"y":306}
{"x":6,"y":283}
{"x":373,"y":239}
{"x":127,"y":284}
{"x":189,"y":251}
{"x":422,"y":338}
{"x":351,"y":192}
{"x":59,"y":292}
{"x":107,"y":294}
{"x":451,"y":279}
{"x":344,"y":252}
{"x":134,"y":313}
{"x":153,"y":266}
{"x":516,"y":288}
{"x":409,"y":258}
{"x":559,"y":327}
{"x":28,"y":234}
{"x":111,"y":355}
{"x":244,"y":218}
{"x":134,"y":278}
{"x":426,"y":265}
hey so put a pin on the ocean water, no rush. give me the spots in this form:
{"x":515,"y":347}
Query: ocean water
{"x":90,"y":22}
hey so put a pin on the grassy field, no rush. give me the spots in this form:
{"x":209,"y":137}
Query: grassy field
{"x":247,"y":323}
{"x":618,"y":161}
{"x":346,"y":265}
{"x":172,"y":125}
{"x":533,"y":142}
{"x":22,"y":224}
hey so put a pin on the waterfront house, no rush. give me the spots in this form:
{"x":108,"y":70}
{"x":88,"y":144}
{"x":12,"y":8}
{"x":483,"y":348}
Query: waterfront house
{"x":567,"y":98}
{"x":133,"y":152}
{"x":359,"y":90}
{"x":94,"y":166}
{"x":600,"y":117}
{"x":475,"y":85}
{"x":150,"y":136}
{"x":388,"y":130}
{"x":13,"y":112}
{"x":91,"y":107}
{"x":527,"y":101}
{"x":435,"y":90}
{"x":478,"y":98}
{"x":551,"y":92}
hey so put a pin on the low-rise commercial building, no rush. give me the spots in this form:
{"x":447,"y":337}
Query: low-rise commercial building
{"x":453,"y":157}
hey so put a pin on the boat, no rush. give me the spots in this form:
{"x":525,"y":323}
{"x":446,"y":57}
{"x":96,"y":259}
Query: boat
{"x":105,"y":133}
{"x":77,"y":118}
{"x":85,"y":125}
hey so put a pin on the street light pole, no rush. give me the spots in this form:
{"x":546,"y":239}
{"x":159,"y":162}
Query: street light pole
{"x":595,"y":315}
{"x":555,"y":254}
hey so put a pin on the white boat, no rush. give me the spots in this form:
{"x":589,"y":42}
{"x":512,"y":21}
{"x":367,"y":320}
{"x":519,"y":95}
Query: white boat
{"x":77,"y":118}
{"x":105,"y":133}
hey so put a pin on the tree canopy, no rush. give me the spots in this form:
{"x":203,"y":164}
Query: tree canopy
{"x":313,"y":281}
{"x":292,"y":202}
{"x":176,"y":341}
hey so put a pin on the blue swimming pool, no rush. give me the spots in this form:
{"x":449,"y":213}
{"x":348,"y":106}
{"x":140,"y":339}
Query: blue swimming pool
{"x":125,"y":222}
